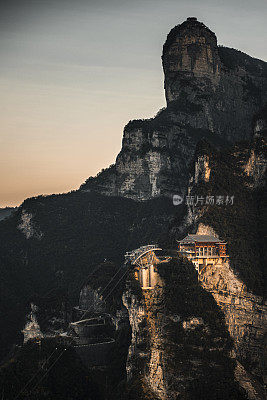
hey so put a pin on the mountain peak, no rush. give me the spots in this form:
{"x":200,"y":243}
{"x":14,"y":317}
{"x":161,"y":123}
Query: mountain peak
{"x":212,"y":93}
{"x":190,"y":51}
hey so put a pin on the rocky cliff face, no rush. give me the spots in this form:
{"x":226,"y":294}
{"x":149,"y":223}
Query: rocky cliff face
{"x":146,"y":356}
{"x":255,"y":166}
{"x":233,"y":284}
{"x":227,"y":193}
{"x":137,"y":318}
{"x":192,"y":337}
{"x":180,"y":346}
{"x":211,"y":92}
{"x":220,"y":81}
{"x":191,"y":47}
{"x":245,"y":315}
{"x":157,"y":354}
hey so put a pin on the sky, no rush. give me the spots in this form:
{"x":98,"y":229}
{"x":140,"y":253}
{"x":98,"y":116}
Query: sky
{"x":74,"y":72}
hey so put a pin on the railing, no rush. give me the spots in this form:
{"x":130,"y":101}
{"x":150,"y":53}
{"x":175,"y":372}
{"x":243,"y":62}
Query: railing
{"x":135,"y":254}
{"x":196,"y":255}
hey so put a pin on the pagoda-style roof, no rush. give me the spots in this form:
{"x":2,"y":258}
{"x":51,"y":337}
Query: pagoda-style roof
{"x":200,"y":238}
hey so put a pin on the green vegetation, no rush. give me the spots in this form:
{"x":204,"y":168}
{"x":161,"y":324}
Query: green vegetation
{"x":164,"y":118}
{"x":252,"y":91}
{"x":232,"y":58}
{"x":6,"y":212}
{"x":104,"y":174}
{"x":46,"y":371}
{"x":184,"y":105}
{"x":80,"y":230}
{"x":100,"y":279}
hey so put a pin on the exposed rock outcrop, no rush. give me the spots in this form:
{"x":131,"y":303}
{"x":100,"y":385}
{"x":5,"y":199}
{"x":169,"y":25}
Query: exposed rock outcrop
{"x":32,"y":329}
{"x":192,"y":47}
{"x":146,"y":354}
{"x":137,"y":318}
{"x":180,"y":345}
{"x":192,"y":337}
{"x":27,"y":226}
{"x":220,"y":81}
{"x":256,"y":168}
{"x":245,"y":313}
{"x":91,"y":300}
{"x":211,"y":92}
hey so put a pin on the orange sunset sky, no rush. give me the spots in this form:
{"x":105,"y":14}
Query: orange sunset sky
{"x":73,"y":73}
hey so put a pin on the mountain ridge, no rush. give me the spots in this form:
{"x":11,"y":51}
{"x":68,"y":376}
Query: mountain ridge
{"x":211,"y":92}
{"x":59,"y":247}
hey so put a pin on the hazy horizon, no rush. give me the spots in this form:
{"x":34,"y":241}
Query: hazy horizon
{"x":72,"y":74}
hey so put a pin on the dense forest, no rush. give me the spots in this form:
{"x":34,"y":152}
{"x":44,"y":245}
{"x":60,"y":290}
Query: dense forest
{"x":72,"y":234}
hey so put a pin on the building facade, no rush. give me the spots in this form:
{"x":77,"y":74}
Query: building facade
{"x":202,"y":250}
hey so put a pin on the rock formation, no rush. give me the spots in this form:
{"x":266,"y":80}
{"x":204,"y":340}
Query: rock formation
{"x":180,"y":346}
{"x":192,"y":337}
{"x":237,"y":342}
{"x":211,"y":92}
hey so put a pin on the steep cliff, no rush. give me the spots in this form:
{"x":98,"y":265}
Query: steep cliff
{"x":192,"y":337}
{"x":227,"y":192}
{"x":228,"y":86}
{"x":245,"y":315}
{"x":180,"y":346}
{"x":236,"y":285}
{"x":211,"y":92}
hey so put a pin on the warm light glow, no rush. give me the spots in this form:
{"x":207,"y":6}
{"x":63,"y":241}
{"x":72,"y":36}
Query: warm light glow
{"x":72,"y":74}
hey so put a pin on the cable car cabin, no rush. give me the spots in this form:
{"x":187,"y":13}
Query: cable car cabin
{"x":202,"y":250}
